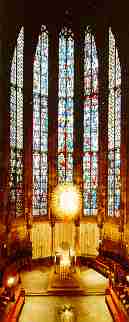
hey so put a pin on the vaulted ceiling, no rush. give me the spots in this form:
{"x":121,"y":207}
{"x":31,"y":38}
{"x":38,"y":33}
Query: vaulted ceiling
{"x":32,"y":14}
{"x":56,"y":11}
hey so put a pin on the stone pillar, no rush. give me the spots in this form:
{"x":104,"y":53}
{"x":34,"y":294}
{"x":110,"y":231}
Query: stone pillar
{"x":102,"y":48}
{"x":77,"y":239}
{"x":124,"y":58}
{"x":52,"y":224}
{"x":5,"y":53}
{"x":29,"y":43}
{"x":78,"y":109}
{"x":52,"y":112}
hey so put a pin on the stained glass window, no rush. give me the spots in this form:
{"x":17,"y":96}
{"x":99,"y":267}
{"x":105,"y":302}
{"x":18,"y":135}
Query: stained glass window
{"x":90,"y":141}
{"x":40,"y":125}
{"x":65,"y":106}
{"x":16,"y":127}
{"x":114,"y":137}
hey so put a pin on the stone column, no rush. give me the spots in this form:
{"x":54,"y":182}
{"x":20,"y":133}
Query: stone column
{"x":102,"y":49}
{"x":124,"y":58}
{"x":52,"y":112}
{"x":78,"y":109}
{"x":52,"y":224}
{"x":77,"y":241}
{"x":29,"y":43}
{"x":5,"y":53}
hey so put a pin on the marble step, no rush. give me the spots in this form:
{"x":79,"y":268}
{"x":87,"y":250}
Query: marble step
{"x":74,"y":292}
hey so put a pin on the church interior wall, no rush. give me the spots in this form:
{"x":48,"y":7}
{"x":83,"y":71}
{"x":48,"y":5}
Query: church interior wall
{"x":88,"y":231}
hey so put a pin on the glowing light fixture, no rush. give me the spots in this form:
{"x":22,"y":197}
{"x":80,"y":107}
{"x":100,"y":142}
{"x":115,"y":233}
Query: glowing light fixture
{"x":127,"y":278}
{"x":65,"y":261}
{"x":66,"y":201}
{"x":11,"y":281}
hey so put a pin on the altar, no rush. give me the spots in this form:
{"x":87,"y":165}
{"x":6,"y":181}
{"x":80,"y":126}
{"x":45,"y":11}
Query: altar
{"x":65,"y":261}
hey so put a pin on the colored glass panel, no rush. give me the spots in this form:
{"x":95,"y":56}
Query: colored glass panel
{"x":16,"y":127}
{"x":40,"y":125}
{"x":65,"y":106}
{"x":114,"y":137}
{"x":90,"y":140}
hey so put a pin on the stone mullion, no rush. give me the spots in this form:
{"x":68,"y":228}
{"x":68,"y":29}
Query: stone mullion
{"x":52,"y":111}
{"x":78,"y":126}
{"x":28,"y":119}
{"x":78,"y":109}
{"x":102,"y":48}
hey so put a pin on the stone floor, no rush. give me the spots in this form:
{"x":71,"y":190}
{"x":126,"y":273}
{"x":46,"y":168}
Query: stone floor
{"x":46,"y":308}
{"x":53,"y":308}
{"x":36,"y":281}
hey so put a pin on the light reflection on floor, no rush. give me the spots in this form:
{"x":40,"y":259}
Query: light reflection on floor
{"x":51,"y":308}
{"x":87,"y":308}
{"x":92,"y":280}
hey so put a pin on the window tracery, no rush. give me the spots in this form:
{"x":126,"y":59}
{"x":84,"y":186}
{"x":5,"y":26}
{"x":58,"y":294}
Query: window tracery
{"x":16,"y":127}
{"x":65,"y":106}
{"x":90,"y":139}
{"x":40,"y":125}
{"x":114,"y":128}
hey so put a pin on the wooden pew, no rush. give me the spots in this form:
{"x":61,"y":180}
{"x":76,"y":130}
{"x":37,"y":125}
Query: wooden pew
{"x":115,"y":306}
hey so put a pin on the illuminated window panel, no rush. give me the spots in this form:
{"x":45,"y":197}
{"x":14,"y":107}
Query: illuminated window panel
{"x":114,"y":127}
{"x":90,"y":140}
{"x":40,"y":125}
{"x":65,"y":106}
{"x":16,"y":128}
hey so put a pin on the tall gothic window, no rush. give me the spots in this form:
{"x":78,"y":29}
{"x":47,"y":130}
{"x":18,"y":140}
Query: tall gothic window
{"x":16,"y":127}
{"x":65,"y":106}
{"x":90,"y":141}
{"x":40,"y":125}
{"x":114,"y":126}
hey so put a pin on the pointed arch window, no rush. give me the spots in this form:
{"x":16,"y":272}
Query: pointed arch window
{"x":90,"y":128}
{"x":114,"y":128}
{"x":65,"y":105}
{"x":40,"y":125}
{"x":16,"y":127}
